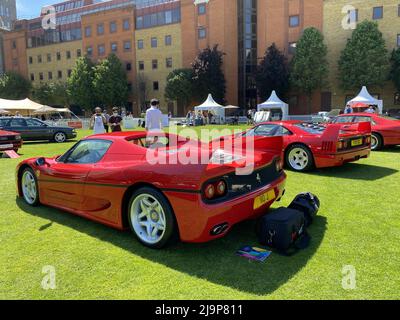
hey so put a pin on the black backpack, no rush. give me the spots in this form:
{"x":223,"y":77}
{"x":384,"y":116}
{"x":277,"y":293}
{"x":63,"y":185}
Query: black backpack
{"x":307,"y":203}
{"x":284,"y":230}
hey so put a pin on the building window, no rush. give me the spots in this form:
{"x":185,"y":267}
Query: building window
{"x":128,"y":66}
{"x":39,"y":59}
{"x":154,"y":64}
{"x":141,"y":65}
{"x":169,"y":62}
{"x":154,"y":43}
{"x":129,"y":86}
{"x":79,"y":53}
{"x":50,"y":75}
{"x":41,"y":77}
{"x":294,"y":21}
{"x":168,"y":40}
{"x":100,"y":29}
{"x":114,"y":47}
{"x":58,"y":56}
{"x":156,"y":86}
{"x":88,"y":32}
{"x":14,"y":44}
{"x":140,"y":44}
{"x":59,"y":74}
{"x":32,"y":77}
{"x":15,"y":62}
{"x":201,"y":9}
{"x":30,"y":60}
{"x":398,"y":40}
{"x":69,"y":72}
{"x":293,"y":101}
{"x":127,"y":45}
{"x":49,"y":57}
{"x":101,"y":50}
{"x":398,"y":11}
{"x":68,"y":54}
{"x":202,"y":33}
{"x":89,"y":51}
{"x":377,"y":13}
{"x":292,"y":47}
{"x":126,"y":24}
{"x":113,"y":27}
{"x":397,"y":98}
{"x":353,"y":16}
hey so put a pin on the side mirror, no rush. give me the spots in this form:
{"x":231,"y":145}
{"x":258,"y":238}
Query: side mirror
{"x":40,"y":162}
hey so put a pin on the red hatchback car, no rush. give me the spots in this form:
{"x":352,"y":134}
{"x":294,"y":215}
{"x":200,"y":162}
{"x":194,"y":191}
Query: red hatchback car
{"x":10,"y":141}
{"x":385,"y":130}
{"x":109,"y":179}
{"x":307,"y":145}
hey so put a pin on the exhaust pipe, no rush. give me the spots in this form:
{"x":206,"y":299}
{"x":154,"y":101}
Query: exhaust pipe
{"x":219,"y":229}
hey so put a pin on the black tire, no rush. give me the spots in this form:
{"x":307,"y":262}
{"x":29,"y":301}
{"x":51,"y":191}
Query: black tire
{"x":171,"y":233}
{"x":379,"y":142}
{"x":60,"y":137}
{"x":36,"y":201}
{"x":289,"y":162}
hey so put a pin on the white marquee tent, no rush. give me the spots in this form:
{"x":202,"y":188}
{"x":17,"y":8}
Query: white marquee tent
{"x":274,"y":103}
{"x":365,"y":97}
{"x":212,"y":106}
{"x":25,"y":106}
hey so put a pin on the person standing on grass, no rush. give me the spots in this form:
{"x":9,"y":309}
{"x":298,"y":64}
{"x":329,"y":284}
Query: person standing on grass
{"x":98,"y":122}
{"x":107,"y":116}
{"x":154,"y":117}
{"x":115,"y":121}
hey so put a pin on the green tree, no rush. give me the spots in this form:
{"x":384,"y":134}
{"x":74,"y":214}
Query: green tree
{"x":272,"y":73}
{"x":80,"y":84}
{"x":13,"y":86}
{"x":395,"y":68}
{"x":309,"y":67}
{"x":110,"y":82}
{"x":52,"y":94}
{"x":179,"y":86}
{"x":208,"y":76}
{"x":365,"y":60}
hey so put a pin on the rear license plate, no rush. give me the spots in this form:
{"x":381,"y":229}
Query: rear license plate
{"x":6,"y":146}
{"x":264,"y":199}
{"x":356,"y":143}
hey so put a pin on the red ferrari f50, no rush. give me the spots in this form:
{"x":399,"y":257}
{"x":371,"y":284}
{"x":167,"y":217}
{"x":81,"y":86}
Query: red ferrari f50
{"x":108,"y":178}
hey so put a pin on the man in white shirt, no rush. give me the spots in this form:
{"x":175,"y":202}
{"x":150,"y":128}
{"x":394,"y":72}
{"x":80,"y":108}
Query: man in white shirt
{"x":154,"y":117}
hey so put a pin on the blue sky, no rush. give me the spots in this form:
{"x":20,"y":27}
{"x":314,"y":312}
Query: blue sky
{"x":31,"y":8}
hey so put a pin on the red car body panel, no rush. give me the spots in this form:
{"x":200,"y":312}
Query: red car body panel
{"x":323,"y":145}
{"x":389,"y":129}
{"x":100,"y":191}
{"x":8,"y":141}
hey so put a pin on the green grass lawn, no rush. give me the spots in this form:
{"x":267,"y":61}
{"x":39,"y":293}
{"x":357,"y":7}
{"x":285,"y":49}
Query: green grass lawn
{"x":359,"y":225}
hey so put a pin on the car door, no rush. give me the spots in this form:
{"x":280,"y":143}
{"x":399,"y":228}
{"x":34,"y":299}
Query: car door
{"x":19,"y":125}
{"x":38,"y":129}
{"x":63,"y":180}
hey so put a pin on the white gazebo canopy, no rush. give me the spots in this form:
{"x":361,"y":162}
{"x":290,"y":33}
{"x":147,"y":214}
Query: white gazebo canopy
{"x":3,"y":111}
{"x":24,"y":106}
{"x":274,"y":103}
{"x":45,"y":110}
{"x":365,"y":97}
{"x":212,"y":106}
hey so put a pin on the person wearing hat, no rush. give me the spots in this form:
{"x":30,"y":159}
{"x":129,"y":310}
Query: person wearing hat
{"x":154,"y":117}
{"x":115,"y":121}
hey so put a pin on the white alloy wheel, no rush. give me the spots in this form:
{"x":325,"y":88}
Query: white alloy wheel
{"x":298,"y":159}
{"x":29,"y":188}
{"x":148,"y":219}
{"x":60,"y":137}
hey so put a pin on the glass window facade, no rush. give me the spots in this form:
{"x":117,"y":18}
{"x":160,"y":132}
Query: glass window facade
{"x":247,"y":45}
{"x":158,"y":19}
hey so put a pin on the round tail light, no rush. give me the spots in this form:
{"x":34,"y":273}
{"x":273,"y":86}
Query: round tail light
{"x":221,"y":188}
{"x":209,"y":192}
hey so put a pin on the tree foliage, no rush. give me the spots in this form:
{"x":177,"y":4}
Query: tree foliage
{"x":272,"y":73}
{"x":208,"y":76}
{"x":364,"y":61}
{"x":110,"y":82}
{"x":80,"y":84}
{"x":309,"y":67}
{"x":13,"y":86}
{"x":395,"y":68}
{"x":53,"y":94}
{"x":180,"y":86}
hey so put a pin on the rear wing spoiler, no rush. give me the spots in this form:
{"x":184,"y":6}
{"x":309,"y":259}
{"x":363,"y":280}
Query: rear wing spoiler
{"x":333,"y":131}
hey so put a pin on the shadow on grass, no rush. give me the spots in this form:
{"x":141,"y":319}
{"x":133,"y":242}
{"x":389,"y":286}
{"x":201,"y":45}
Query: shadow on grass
{"x":356,"y":171}
{"x":214,"y":261}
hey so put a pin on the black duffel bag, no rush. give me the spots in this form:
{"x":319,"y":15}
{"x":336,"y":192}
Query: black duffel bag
{"x":284,"y":230}
{"x":307,"y":203}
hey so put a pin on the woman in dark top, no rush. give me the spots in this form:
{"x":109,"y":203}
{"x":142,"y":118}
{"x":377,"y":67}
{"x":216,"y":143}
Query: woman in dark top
{"x":115,"y":121}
